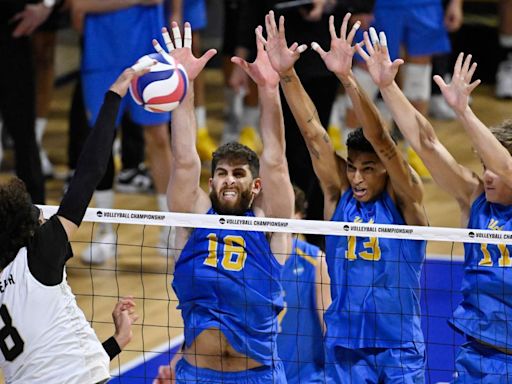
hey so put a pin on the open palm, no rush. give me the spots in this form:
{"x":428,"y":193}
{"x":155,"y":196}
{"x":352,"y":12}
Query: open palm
{"x":339,"y":58}
{"x":281,"y":57}
{"x":382,"y":70}
{"x":457,"y":92}
{"x":261,"y":70}
{"x":182,"y":52}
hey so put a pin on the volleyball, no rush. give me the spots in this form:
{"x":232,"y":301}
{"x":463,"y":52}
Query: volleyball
{"x":164,"y":87}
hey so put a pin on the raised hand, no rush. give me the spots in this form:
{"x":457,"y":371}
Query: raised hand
{"x":382,"y":70}
{"x":457,"y":92}
{"x":124,"y":316}
{"x":181,"y":50}
{"x":280,"y":55}
{"x":122,"y":83}
{"x":339,"y":58}
{"x":260,"y":71}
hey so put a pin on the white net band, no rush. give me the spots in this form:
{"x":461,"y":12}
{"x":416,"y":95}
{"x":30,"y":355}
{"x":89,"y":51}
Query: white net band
{"x":334,"y":228}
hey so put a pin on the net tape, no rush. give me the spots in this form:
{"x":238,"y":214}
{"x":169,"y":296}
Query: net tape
{"x":266,"y":224}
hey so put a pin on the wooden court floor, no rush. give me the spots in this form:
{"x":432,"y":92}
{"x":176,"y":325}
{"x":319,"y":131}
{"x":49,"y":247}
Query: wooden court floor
{"x":139,"y":270}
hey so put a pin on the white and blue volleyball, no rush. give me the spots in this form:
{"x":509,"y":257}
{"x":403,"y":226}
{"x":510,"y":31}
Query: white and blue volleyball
{"x":164,"y":87}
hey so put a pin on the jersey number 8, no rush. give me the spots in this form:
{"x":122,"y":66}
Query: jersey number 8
{"x":8,"y":332}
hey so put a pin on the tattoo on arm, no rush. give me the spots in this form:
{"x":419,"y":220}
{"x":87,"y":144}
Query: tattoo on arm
{"x":313,"y":116}
{"x":286,"y":79}
{"x":389,"y":152}
{"x":326,"y":138}
{"x":313,"y":151}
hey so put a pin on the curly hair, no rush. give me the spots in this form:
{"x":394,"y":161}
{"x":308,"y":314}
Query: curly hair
{"x":236,"y":152}
{"x":17,"y":220}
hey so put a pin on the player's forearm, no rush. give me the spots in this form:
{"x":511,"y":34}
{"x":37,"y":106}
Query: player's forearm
{"x":302,"y":107}
{"x":183,"y":131}
{"x":415,"y":128}
{"x":494,"y":155}
{"x":272,"y":126}
{"x":92,"y":163}
{"x":365,"y":110}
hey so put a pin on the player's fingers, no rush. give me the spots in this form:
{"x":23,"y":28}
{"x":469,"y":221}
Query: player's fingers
{"x":465,"y":66}
{"x":259,"y":35}
{"x":167,"y":39}
{"x":353,"y":32}
{"x":318,"y":49}
{"x":273,"y":24}
{"x":208,"y":55}
{"x":294,"y":46}
{"x":361,"y":51}
{"x":458,"y":65}
{"x":301,"y":48}
{"x":383,"y":43}
{"x":473,"y":85}
{"x":397,"y":63}
{"x":188,"y":36}
{"x":368,"y":44}
{"x":178,"y":43}
{"x":440,"y":82}
{"x":332,"y":30}
{"x":281,"y":30}
{"x":240,"y":62}
{"x":157,"y":46}
{"x":374,"y":38}
{"x":144,"y":63}
{"x":471,"y":72}
{"x":268,"y":27}
{"x":344,"y":25}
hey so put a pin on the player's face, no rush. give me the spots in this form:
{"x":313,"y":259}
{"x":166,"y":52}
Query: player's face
{"x":232,"y":188}
{"x":496,"y":191}
{"x":366,"y":175}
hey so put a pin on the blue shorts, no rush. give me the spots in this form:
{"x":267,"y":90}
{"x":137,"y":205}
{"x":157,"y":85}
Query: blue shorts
{"x":95,"y":84}
{"x":376,"y":365}
{"x":419,"y":29}
{"x":194,"y":11}
{"x":187,"y":374}
{"x":476,"y":363}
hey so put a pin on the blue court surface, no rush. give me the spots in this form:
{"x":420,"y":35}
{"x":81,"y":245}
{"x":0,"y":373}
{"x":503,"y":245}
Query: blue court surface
{"x":441,"y":280}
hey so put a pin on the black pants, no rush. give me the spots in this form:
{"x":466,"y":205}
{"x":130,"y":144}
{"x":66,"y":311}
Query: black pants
{"x":322,"y":91}
{"x":17,"y":107}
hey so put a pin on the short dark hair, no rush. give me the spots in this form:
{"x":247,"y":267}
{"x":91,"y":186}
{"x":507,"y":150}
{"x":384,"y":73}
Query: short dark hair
{"x":234,"y":152}
{"x":503,"y":133}
{"x":18,"y":221}
{"x":357,"y":142}
{"x":301,"y":204}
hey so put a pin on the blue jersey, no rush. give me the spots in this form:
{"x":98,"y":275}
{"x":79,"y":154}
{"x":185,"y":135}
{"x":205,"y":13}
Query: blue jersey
{"x":116,"y":40}
{"x":300,"y":340}
{"x":230,"y":280}
{"x":486,"y":309}
{"x":376,"y":290}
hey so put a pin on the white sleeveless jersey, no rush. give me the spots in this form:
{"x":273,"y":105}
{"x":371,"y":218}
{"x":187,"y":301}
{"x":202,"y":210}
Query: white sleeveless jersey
{"x":44,"y":336}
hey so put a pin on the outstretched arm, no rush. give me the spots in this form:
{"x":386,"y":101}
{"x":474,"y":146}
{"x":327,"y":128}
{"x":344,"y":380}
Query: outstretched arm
{"x":457,"y":180}
{"x":124,"y":316}
{"x":405,"y":185}
{"x":183,"y":192}
{"x":93,"y":160}
{"x":277,"y":198}
{"x":304,"y":111}
{"x":494,"y":155}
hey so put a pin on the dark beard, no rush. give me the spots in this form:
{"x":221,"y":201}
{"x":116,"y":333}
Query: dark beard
{"x":237,"y":210}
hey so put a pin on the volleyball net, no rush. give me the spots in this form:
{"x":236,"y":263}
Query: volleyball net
{"x":142,"y":267}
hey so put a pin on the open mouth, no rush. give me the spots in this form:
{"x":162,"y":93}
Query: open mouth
{"x":229,"y":195}
{"x":359,"y":193}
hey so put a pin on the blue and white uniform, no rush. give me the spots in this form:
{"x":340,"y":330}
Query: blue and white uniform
{"x":485,"y":313}
{"x":230,"y":280}
{"x":373,"y":323}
